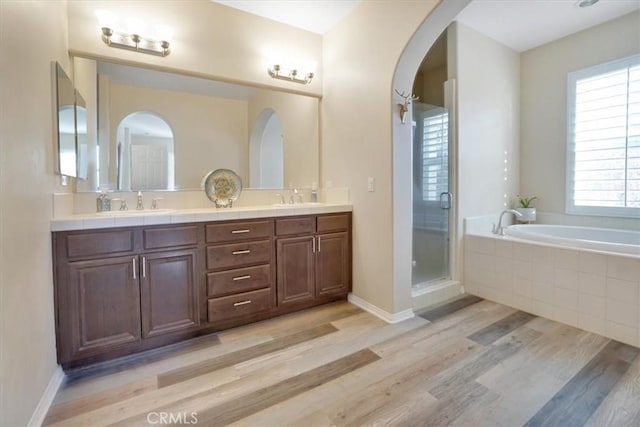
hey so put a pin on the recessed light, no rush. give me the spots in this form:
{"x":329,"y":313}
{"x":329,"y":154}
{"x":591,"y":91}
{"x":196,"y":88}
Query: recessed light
{"x":586,"y":3}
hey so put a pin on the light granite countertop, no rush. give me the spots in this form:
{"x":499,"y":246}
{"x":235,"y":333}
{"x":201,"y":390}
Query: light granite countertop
{"x":133,"y":218}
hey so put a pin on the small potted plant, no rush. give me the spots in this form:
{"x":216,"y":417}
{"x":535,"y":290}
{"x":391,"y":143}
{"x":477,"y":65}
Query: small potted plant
{"x":526,"y":209}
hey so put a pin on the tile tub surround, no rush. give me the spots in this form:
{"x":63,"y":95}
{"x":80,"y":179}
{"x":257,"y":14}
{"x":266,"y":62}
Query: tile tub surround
{"x":591,"y":290}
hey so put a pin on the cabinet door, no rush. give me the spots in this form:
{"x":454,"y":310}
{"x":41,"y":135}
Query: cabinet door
{"x":168,"y":288}
{"x":103,"y":305}
{"x":295,"y":269}
{"x":333,"y":275}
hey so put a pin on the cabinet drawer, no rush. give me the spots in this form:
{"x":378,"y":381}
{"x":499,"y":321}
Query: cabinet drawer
{"x":238,"y":280}
{"x":339,"y":222}
{"x":168,"y":237}
{"x":236,"y":231}
{"x":238,"y":254}
{"x":291,"y":226}
{"x":100,"y":243}
{"x":238,"y":304}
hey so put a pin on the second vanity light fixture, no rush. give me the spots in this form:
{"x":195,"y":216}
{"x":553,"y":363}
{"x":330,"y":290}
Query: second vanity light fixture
{"x":132,"y":39}
{"x":292,"y":75}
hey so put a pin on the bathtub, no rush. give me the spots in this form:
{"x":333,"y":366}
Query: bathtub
{"x":601,"y":239}
{"x":584,"y":277}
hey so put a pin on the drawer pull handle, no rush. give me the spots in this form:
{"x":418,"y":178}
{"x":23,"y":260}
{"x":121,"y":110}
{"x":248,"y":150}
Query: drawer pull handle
{"x":240,"y":231}
{"x":248,"y":276}
{"x":246,"y":251}
{"x":236,"y":304}
{"x":133,"y":260}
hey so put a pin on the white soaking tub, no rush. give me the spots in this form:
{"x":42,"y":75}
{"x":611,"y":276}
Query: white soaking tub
{"x":602,"y":239}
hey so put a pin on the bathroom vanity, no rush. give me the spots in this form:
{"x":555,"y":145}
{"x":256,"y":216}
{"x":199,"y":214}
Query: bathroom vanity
{"x":123,"y":290}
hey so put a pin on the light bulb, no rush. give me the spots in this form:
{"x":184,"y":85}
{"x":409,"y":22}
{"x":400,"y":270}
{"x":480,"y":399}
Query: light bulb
{"x":135,"y":26}
{"x":106,"y":18}
{"x":164,"y":33}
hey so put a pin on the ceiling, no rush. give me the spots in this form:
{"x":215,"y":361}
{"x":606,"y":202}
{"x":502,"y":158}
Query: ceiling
{"x":519,"y":24}
{"x":317,"y":16}
{"x":525,"y":24}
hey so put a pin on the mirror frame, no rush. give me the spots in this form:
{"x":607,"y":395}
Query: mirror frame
{"x":64,"y":97}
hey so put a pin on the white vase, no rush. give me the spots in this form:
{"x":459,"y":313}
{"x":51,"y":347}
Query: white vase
{"x":528,"y":214}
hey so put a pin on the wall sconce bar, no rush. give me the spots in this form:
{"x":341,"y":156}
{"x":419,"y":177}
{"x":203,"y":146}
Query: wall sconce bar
{"x":135,"y":42}
{"x":291,"y":76}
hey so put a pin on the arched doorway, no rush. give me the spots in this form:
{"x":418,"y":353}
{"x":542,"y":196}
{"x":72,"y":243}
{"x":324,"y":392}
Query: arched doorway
{"x":406,"y":69}
{"x":266,"y":151}
{"x":145,"y":153}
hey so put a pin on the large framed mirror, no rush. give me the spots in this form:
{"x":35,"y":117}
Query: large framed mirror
{"x":66,"y":124}
{"x":165,"y":131}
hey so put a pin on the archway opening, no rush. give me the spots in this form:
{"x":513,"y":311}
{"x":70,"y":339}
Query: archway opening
{"x":145,"y":153}
{"x":266,"y":151}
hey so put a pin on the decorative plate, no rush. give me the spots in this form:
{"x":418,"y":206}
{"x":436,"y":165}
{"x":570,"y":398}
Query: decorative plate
{"x":223,"y":187}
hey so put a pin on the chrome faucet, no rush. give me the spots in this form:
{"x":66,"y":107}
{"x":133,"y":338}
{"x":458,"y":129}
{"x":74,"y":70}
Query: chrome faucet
{"x":154,"y":202}
{"x":140,"y":204}
{"x":500,"y":229}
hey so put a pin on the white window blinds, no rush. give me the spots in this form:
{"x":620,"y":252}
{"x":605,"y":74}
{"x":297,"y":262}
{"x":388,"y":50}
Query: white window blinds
{"x":604,"y":139}
{"x":435,"y":148}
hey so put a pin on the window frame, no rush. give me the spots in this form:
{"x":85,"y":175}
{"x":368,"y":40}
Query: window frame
{"x":572,"y":78}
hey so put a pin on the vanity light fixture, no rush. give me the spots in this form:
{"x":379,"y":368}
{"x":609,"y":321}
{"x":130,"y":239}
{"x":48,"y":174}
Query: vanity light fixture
{"x":132,"y":40}
{"x":292,"y":75}
{"x":135,"y":42}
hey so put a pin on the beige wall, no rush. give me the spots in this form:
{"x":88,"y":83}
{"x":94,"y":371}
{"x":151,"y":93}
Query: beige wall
{"x":544,"y":103}
{"x":432,"y":85}
{"x":210,"y":40}
{"x":300,"y":117}
{"x":360,"y":58}
{"x":488,"y":99}
{"x":32,"y":34}
{"x":209,"y":132}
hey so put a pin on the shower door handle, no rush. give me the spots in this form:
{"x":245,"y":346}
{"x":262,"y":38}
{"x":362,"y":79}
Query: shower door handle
{"x":445,"y":200}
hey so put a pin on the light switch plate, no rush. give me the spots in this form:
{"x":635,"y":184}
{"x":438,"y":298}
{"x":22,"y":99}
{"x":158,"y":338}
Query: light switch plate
{"x":371,"y":184}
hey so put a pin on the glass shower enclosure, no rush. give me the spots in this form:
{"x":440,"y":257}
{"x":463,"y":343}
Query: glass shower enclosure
{"x":431,"y":195}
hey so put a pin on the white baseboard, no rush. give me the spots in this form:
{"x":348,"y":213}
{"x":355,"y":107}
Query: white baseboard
{"x":378,"y":312}
{"x":37,"y":418}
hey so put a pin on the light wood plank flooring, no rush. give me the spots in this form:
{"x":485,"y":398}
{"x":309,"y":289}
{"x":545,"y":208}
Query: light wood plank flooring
{"x":466,"y":363}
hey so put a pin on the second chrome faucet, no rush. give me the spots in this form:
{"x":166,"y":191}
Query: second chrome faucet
{"x":499,"y":229}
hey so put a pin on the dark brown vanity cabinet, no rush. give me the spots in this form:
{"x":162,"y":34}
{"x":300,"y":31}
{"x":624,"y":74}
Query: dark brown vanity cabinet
{"x":120,"y":291}
{"x":116,"y":288}
{"x":240,"y":276}
{"x":313,"y":258}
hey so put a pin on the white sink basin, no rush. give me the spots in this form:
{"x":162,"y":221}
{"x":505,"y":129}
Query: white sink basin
{"x":135,"y":212}
{"x":297,"y":205}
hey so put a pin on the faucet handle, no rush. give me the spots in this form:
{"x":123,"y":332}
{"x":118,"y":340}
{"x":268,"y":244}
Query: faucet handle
{"x":282,"y":202}
{"x":123,"y":203}
{"x":154,"y":202}
{"x":494,"y":229}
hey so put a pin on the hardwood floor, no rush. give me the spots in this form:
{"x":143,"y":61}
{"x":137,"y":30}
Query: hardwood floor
{"x":467,"y":363}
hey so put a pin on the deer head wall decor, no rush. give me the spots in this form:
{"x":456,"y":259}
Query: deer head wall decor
{"x":404,"y":108}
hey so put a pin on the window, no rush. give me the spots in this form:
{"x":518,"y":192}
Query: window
{"x":603,"y":144}
{"x":435,"y":148}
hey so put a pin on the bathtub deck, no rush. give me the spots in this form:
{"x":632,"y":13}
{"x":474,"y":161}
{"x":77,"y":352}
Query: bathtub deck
{"x":474,"y":362}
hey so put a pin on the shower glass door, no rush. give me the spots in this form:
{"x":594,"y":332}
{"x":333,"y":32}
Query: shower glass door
{"x":431,"y":196}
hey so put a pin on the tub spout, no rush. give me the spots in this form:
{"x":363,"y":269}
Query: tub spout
{"x":499,"y":229}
